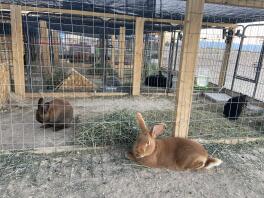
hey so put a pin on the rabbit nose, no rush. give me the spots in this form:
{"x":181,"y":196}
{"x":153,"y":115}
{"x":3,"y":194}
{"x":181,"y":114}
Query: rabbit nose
{"x":140,"y":151}
{"x":137,"y":154}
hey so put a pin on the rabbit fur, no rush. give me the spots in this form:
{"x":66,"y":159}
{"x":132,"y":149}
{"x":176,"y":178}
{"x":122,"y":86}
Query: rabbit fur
{"x":157,"y":80}
{"x":172,"y":152}
{"x":57,"y":113}
{"x":234,"y":107}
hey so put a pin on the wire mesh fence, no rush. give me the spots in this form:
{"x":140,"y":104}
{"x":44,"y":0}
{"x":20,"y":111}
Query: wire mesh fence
{"x":71,"y":50}
{"x":73,"y":74}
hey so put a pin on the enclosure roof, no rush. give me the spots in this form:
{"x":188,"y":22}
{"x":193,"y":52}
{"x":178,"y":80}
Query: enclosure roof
{"x":166,"y":9}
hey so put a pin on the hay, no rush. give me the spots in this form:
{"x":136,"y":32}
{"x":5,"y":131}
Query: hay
{"x":113,"y":129}
{"x":212,"y":125}
{"x":120,"y":128}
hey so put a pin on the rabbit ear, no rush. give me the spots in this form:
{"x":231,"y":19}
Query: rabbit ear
{"x":40,"y":103}
{"x":141,"y":123}
{"x":157,"y":130}
{"x":43,"y":107}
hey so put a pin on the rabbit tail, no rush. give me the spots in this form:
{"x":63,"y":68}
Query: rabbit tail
{"x":212,"y":162}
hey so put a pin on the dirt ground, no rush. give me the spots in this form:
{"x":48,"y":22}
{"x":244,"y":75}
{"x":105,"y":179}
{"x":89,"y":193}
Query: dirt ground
{"x":20,"y":130}
{"x":109,"y":174}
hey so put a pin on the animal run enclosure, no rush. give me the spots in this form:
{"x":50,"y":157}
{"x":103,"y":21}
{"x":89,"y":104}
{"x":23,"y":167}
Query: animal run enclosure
{"x":177,"y":62}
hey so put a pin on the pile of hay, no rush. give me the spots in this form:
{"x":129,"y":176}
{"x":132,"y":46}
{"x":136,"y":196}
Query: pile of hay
{"x":212,"y":125}
{"x":120,"y":127}
{"x":113,"y":129}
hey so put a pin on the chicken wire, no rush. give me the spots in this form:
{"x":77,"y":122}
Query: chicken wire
{"x":59,"y":46}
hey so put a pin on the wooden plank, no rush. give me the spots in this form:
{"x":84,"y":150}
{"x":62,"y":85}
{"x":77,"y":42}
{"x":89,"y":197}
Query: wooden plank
{"x":222,"y":75}
{"x":181,"y":22}
{"x":113,"y":40}
{"x":240,"y":3}
{"x":55,"y":46}
{"x":232,"y":141}
{"x":4,"y":84}
{"x":44,"y":48}
{"x":138,"y":56}
{"x":161,"y":48}
{"x":18,"y":50}
{"x":159,"y":94}
{"x":4,"y":48}
{"x":113,"y":16}
{"x":122,"y":48}
{"x":184,"y":89}
{"x":5,"y":6}
{"x":74,"y":94}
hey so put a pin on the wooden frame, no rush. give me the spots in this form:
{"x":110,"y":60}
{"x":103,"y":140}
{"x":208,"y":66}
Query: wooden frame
{"x":18,"y":50}
{"x":122,"y":47}
{"x":110,"y":15}
{"x":113,"y":40}
{"x":4,"y":84}
{"x":231,"y":141}
{"x":138,"y":56}
{"x":44,"y":47}
{"x":55,"y":46}
{"x":73,"y":94}
{"x":184,"y":89}
{"x":222,"y":75}
{"x":161,"y":48}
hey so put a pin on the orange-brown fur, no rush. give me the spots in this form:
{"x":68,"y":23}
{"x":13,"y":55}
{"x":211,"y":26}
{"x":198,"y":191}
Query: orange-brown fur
{"x":57,"y":113}
{"x":171,"y":153}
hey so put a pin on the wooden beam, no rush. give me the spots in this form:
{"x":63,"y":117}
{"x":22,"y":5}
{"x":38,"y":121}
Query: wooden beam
{"x":5,"y":48}
{"x":44,"y":48}
{"x":222,"y":75}
{"x":73,"y":94}
{"x":5,"y":6}
{"x":232,"y":141}
{"x":240,"y":3}
{"x":161,"y":48}
{"x":181,"y":22}
{"x":18,"y":50}
{"x":55,"y":46}
{"x":113,"y":40}
{"x":138,"y":56}
{"x":184,"y":90}
{"x":112,"y":16}
{"x":122,"y":48}
{"x":4,"y":84}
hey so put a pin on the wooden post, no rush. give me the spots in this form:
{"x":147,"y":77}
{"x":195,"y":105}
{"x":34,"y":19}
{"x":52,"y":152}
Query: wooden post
{"x":55,"y":46}
{"x":122,"y":47}
{"x":44,"y":47}
{"x":4,"y":84}
{"x":222,"y":75}
{"x":161,"y":48}
{"x":138,"y":53}
{"x":4,"y":55}
{"x":17,"y":49}
{"x":184,"y":91}
{"x":113,"y":51}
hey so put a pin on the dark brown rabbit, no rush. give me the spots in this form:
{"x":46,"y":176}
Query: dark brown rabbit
{"x":56,"y":113}
{"x":171,"y":152}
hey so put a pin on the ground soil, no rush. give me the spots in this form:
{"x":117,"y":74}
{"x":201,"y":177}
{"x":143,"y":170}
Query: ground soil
{"x":108,"y":174}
